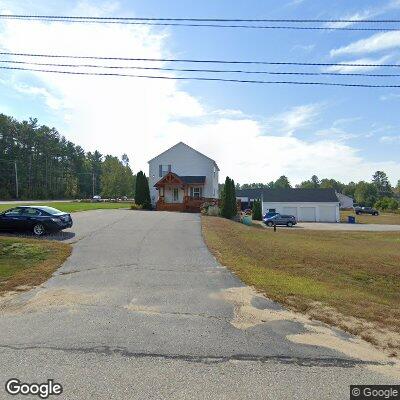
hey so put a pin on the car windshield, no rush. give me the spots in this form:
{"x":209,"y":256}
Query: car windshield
{"x":51,"y":210}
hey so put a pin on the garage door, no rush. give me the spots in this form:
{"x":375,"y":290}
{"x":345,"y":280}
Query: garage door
{"x":327,"y":214}
{"x":290,"y":211}
{"x":308,"y":214}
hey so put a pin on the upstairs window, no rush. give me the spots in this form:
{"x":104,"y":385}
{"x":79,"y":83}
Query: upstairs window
{"x":163,"y":170}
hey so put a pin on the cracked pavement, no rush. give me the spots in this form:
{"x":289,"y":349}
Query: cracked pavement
{"x":132,"y":315}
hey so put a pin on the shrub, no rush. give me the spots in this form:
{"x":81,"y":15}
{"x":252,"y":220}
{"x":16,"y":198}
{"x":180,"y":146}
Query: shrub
{"x":135,"y":206}
{"x":257,"y":212}
{"x":142,"y":193}
{"x":228,"y":199}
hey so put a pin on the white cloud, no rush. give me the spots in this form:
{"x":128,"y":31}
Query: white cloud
{"x":288,"y":122}
{"x":390,"y":96}
{"x":142,"y":117}
{"x":390,"y":139}
{"x":375,"y":43}
{"x":365,"y":14}
{"x":354,"y":69}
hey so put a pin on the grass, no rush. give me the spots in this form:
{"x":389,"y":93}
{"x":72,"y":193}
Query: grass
{"x":71,"y":206}
{"x":382,"y":218}
{"x":355,"y":273}
{"x":28,"y":262}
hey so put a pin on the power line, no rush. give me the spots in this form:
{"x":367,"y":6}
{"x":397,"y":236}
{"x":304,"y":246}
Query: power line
{"x":203,"y":19}
{"x":199,"y":61}
{"x":153,"y":22}
{"x":304,"y":28}
{"x":200,"y":70}
{"x":196,"y":78}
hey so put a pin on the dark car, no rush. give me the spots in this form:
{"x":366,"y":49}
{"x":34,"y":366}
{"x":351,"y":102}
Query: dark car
{"x":38,"y":219}
{"x":270,"y":214}
{"x":279,"y":219}
{"x":366,"y":210}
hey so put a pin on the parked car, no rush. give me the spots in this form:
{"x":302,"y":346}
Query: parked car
{"x":38,"y":219}
{"x":270,"y":214}
{"x":366,"y":210}
{"x":96,"y":198}
{"x":279,"y":219}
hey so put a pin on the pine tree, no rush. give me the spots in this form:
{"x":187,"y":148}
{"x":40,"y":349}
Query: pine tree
{"x":225,"y":199}
{"x":146,"y":193}
{"x":257,"y":214}
{"x":233,"y":199}
{"x":139,"y":190}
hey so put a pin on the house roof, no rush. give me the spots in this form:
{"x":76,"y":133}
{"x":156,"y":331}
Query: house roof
{"x":172,"y":178}
{"x":193,"y":179}
{"x":191,"y":148}
{"x":290,"y":195}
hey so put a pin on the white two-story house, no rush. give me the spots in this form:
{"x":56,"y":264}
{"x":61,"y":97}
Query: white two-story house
{"x":181,"y":178}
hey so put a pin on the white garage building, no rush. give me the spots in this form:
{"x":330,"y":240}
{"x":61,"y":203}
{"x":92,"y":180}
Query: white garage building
{"x":307,"y":205}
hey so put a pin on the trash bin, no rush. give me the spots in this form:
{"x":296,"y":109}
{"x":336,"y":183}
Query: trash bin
{"x":351,"y":219}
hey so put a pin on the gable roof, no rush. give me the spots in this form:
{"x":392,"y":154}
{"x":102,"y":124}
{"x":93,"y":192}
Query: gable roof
{"x":290,"y":195}
{"x":191,"y":148}
{"x":193,"y":179}
{"x":172,"y":178}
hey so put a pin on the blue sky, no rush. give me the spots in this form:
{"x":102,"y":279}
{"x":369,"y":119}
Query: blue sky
{"x":255,"y":132}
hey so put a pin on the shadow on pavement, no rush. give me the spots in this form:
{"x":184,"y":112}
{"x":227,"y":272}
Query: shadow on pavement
{"x":58,"y":236}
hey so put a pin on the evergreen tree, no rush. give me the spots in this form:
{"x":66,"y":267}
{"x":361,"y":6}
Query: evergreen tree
{"x":257,"y":212}
{"x":142,"y":191}
{"x":233,"y":201}
{"x":225,"y":196}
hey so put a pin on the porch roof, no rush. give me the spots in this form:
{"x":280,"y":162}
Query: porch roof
{"x":174,"y":179}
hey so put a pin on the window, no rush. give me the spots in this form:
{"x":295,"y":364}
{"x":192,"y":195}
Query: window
{"x":13,"y":212}
{"x":176,"y":194}
{"x":31,"y":212}
{"x":163,"y":170}
{"x":196,"y":192}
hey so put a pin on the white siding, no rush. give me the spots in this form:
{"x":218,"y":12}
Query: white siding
{"x":306,"y":211}
{"x":185,"y":161}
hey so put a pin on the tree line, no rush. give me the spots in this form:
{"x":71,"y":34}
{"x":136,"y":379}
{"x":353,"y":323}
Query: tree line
{"x":377,"y":192}
{"x":48,"y":166}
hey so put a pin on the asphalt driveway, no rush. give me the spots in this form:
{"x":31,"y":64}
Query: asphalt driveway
{"x":142,"y":310}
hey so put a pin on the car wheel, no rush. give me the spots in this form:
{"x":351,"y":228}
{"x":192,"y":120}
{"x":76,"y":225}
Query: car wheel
{"x":39,"y":230}
{"x":270,"y":223}
{"x":357,"y":213}
{"x":289,"y":224}
{"x":375,"y":213}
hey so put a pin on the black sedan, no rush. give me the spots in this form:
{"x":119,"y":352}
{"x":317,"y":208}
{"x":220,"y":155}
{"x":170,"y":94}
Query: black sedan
{"x":38,"y":219}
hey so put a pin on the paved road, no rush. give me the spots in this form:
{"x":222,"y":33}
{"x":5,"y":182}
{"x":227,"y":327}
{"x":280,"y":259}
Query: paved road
{"x":33,"y":201}
{"x":142,"y":310}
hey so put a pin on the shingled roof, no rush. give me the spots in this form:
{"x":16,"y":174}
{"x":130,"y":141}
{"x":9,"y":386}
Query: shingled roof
{"x":290,"y":195}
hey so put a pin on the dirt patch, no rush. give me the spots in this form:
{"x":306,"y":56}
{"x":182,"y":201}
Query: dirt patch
{"x":45,"y":299}
{"x":142,"y":309}
{"x":247,"y":316}
{"x":354,"y":347}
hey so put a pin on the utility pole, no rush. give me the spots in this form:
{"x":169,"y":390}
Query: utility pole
{"x":16,"y":179}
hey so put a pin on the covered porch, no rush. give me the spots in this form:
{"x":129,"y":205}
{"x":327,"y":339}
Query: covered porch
{"x":180,"y":193}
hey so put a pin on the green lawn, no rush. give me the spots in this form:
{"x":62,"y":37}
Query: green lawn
{"x":29,"y":262}
{"x":71,"y":206}
{"x":382,"y":218}
{"x":354,"y":273}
